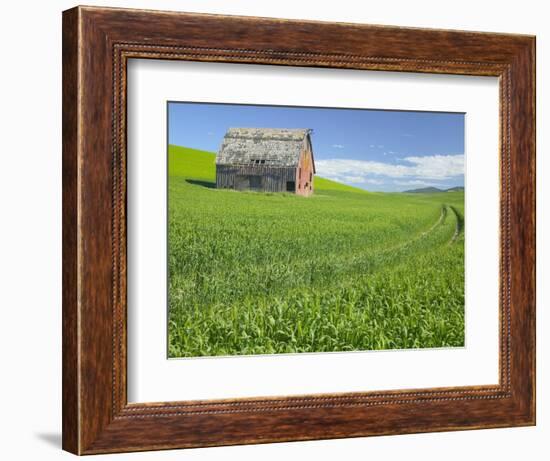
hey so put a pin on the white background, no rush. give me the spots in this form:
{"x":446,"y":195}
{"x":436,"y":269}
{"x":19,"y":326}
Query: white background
{"x":30,"y":243}
{"x":153,"y":378}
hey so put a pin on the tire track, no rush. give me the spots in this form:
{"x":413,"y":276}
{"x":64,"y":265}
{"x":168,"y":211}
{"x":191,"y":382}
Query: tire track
{"x":459,"y":224}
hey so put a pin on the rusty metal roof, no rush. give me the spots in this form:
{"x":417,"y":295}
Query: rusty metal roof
{"x":265,"y":146}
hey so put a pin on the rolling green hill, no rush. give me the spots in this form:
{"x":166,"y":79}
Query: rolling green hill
{"x":199,"y":164}
{"x":345,"y":269}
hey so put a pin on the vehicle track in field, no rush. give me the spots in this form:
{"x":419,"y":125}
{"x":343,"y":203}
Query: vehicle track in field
{"x":459,"y":224}
{"x":442,"y":216}
{"x":403,"y":245}
{"x":400,"y":250}
{"x":445,"y":211}
{"x":390,"y":256}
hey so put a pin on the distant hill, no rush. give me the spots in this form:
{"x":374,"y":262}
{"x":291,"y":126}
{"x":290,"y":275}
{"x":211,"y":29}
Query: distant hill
{"x":433,"y":190}
{"x":424,"y":190}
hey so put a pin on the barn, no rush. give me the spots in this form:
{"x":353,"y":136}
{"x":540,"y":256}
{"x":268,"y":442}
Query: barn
{"x":266,"y":160}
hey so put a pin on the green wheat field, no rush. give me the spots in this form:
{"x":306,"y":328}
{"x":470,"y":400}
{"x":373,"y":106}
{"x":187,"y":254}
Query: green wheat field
{"x":343,"y":270}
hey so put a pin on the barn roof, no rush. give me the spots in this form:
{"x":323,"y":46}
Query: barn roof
{"x":269,"y":146}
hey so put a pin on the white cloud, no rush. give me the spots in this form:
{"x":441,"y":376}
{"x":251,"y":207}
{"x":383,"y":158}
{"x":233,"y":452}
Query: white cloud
{"x":377,"y":182}
{"x":438,"y":166}
{"x":359,"y":180}
{"x":338,"y":146}
{"x":434,"y":167}
{"x":352,"y":179}
{"x":413,"y":182}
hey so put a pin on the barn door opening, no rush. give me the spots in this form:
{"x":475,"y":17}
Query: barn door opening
{"x":249,"y":182}
{"x":255,"y":182}
{"x":241,"y":182}
{"x":291,"y":186}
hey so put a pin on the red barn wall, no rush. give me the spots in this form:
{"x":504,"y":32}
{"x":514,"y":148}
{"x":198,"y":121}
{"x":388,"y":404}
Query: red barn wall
{"x":305,"y":174}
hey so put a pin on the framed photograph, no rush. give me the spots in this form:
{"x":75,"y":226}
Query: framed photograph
{"x":281,"y":230}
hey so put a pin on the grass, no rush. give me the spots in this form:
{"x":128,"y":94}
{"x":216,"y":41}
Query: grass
{"x":343,"y":270}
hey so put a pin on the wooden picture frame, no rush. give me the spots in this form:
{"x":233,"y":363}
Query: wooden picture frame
{"x":97,"y":43}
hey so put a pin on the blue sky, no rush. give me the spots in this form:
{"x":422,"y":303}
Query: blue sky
{"x":376,"y":150}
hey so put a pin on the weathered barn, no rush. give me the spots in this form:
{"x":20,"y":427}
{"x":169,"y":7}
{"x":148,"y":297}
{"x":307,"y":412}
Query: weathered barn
{"x":266,"y":160}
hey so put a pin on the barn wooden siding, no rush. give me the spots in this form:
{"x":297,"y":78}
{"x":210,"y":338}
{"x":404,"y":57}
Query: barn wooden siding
{"x":305,"y":173}
{"x":271,"y":179}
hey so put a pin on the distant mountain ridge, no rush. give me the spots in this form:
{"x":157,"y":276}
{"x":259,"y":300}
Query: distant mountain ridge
{"x":433,"y":190}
